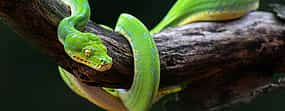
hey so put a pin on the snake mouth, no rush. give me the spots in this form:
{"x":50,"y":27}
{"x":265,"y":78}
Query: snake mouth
{"x":98,"y":67}
{"x":103,"y":67}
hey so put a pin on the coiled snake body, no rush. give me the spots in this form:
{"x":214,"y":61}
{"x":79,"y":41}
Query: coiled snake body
{"x":87,"y":48}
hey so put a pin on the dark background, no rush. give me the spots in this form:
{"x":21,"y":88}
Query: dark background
{"x":30,"y":80}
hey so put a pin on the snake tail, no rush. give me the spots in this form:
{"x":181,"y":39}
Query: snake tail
{"x":188,"y":11}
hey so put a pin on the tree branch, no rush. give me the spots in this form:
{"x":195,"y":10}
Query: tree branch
{"x":235,"y":56}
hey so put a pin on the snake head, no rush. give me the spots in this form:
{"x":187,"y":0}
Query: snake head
{"x":87,"y":48}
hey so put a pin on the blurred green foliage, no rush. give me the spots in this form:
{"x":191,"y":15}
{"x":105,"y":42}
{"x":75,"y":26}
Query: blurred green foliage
{"x":30,"y":80}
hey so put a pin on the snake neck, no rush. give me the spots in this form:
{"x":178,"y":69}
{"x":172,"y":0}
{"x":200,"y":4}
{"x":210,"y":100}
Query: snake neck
{"x":80,"y":15}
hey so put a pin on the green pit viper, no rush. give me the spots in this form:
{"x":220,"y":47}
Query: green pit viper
{"x":86,"y":48}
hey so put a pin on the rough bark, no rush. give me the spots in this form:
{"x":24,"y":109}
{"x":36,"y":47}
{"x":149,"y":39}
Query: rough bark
{"x":231,"y":59}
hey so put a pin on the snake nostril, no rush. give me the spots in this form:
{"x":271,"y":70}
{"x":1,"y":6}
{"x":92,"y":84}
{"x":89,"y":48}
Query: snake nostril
{"x":102,"y":61}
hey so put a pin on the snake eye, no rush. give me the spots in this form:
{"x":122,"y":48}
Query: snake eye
{"x":87,"y":52}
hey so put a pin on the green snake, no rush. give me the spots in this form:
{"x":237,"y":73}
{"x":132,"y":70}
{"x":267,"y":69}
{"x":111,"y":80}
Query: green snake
{"x":86,"y":48}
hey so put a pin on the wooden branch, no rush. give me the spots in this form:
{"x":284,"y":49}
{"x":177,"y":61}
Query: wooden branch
{"x":188,"y":53}
{"x":232,"y":60}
